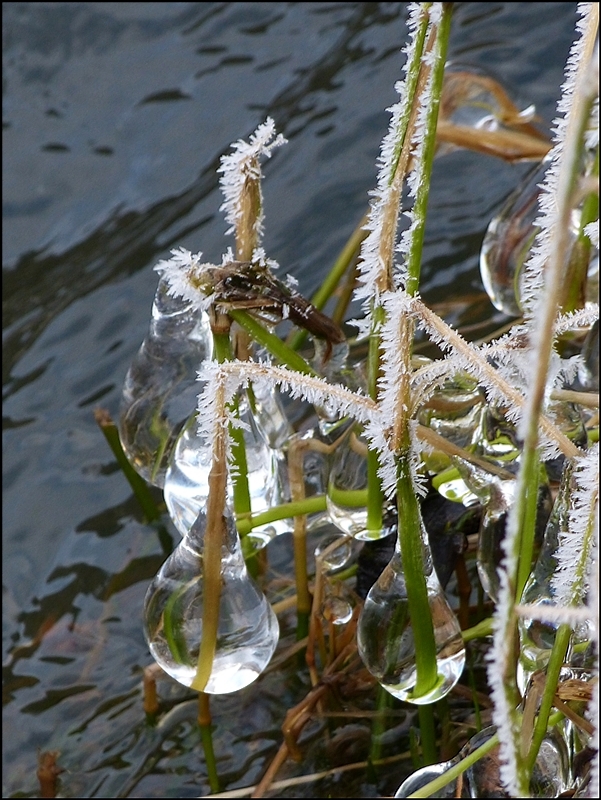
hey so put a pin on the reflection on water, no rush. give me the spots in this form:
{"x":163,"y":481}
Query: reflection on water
{"x":115,"y":117}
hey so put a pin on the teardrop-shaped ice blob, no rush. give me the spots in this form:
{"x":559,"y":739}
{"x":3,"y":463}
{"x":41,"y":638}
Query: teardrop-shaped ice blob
{"x":247,"y":628}
{"x":160,"y":387}
{"x":507,"y":243}
{"x":495,"y":442}
{"x":269,"y":415}
{"x":385,"y":638}
{"x":421,"y":777}
{"x":186,"y":482}
{"x":550,"y":776}
{"x":347,"y":490}
{"x":454,"y":411}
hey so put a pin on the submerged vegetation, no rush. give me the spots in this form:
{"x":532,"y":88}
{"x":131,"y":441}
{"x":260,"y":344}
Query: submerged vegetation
{"x":259,"y":415}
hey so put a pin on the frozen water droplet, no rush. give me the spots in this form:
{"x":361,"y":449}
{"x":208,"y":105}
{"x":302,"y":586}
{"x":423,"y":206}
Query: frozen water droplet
{"x":385,"y":638}
{"x":507,"y":243}
{"x":537,"y":637}
{"x":347,"y":491}
{"x":160,"y":388}
{"x":337,"y":551}
{"x":247,"y":628}
{"x":337,"y":610}
{"x":186,"y":482}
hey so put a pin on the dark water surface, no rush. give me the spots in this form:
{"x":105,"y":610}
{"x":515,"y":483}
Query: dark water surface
{"x":115,"y":116}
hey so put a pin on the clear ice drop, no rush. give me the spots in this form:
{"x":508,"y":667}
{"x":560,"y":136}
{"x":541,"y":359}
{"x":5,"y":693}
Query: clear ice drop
{"x":160,"y":387}
{"x":385,"y":638}
{"x":186,"y":481}
{"x":247,"y":628}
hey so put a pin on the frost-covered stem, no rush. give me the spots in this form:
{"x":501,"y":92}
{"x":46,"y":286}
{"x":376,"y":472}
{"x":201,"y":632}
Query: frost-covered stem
{"x":428,"y":145}
{"x":241,"y":187}
{"x":400,"y":152}
{"x":243,"y":206}
{"x":397,"y":150}
{"x":584,"y":556}
{"x":220,"y":325}
{"x":555,"y":277}
{"x":211,"y":555}
{"x":378,"y":250}
{"x":250,"y":211}
{"x":503,"y":658}
{"x":375,"y":496}
{"x":417,"y":77}
{"x":313,"y":389}
{"x":410,"y":524}
{"x":419,"y":138}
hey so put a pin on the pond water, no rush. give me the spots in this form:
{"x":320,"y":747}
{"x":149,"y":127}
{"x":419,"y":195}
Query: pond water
{"x":115,"y":116}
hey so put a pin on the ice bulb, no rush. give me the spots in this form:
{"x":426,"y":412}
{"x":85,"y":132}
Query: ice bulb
{"x":186,"y":481}
{"x":507,"y":243}
{"x":550,"y":776}
{"x":174,"y":609}
{"x":336,"y":551}
{"x":454,"y":412}
{"x":385,"y":638}
{"x":347,"y":491}
{"x":537,"y":637}
{"x":495,"y":442}
{"x":270,"y":416}
{"x":160,"y":387}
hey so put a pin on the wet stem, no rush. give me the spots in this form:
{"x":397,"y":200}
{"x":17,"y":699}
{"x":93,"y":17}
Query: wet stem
{"x":215,"y":527}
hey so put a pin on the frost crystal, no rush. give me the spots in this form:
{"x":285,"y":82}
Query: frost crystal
{"x":575,"y":551}
{"x":533,"y":280}
{"x":371,"y":264}
{"x":184,"y":274}
{"x":243,"y":165}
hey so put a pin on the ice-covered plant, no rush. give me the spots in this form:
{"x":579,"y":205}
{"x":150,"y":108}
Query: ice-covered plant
{"x":522,"y":373}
